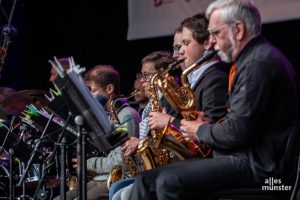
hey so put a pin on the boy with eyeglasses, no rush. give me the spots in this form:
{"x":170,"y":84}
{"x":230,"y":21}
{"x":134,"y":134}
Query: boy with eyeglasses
{"x":151,"y":64}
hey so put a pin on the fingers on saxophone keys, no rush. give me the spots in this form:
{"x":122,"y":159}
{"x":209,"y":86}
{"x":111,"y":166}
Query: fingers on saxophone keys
{"x":124,"y":147}
{"x":128,"y":152}
{"x":187,"y":137}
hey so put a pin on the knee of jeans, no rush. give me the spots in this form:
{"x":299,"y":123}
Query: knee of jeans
{"x":126,"y":192}
{"x":119,"y":185}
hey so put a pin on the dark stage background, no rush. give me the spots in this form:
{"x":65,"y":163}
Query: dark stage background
{"x":94,"y":32}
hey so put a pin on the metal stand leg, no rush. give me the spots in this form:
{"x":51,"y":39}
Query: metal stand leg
{"x":81,"y":161}
{"x":40,"y":193}
{"x":79,"y":166}
{"x":83,"y":153}
{"x":11,"y":180}
{"x":63,"y":169}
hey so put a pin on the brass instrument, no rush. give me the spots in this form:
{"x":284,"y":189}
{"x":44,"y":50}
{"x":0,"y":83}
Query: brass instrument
{"x":133,"y":166}
{"x":145,"y":149}
{"x":150,"y":152}
{"x":153,"y":154}
{"x":112,"y":104}
{"x":72,"y":181}
{"x":182,"y":99}
{"x":115,"y":175}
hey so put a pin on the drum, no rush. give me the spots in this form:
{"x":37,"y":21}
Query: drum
{"x":38,"y":120}
{"x":10,"y":138}
{"x":35,"y":172}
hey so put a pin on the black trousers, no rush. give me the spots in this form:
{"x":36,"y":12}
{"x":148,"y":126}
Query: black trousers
{"x":192,"y":179}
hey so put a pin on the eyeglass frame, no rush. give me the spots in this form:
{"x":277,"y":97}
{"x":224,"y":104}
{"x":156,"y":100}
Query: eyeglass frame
{"x":176,"y":47}
{"x":144,"y":76}
{"x":216,"y":31}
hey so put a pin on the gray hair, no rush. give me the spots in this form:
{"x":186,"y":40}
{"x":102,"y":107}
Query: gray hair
{"x":234,"y":10}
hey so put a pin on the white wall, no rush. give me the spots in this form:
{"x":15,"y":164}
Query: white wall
{"x":156,"y":18}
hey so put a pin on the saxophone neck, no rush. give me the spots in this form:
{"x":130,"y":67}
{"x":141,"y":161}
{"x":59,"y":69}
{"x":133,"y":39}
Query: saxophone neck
{"x":171,"y":67}
{"x":132,"y":94}
{"x":185,"y":73}
{"x":114,"y":105}
{"x":154,"y":95}
{"x":205,"y":57}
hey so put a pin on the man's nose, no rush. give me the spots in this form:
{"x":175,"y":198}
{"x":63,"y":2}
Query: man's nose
{"x":212,"y":39}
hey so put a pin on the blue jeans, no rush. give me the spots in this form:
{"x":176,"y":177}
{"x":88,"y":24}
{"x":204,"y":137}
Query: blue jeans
{"x":119,"y":185}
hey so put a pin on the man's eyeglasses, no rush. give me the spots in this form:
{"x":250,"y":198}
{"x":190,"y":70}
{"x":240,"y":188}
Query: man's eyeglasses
{"x":176,"y":47}
{"x":144,"y":76}
{"x":216,"y":31}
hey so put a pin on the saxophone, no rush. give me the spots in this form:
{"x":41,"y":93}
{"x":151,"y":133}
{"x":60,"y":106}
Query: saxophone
{"x":149,"y":150}
{"x":154,"y":154}
{"x":183,"y":100}
{"x":131,"y":162}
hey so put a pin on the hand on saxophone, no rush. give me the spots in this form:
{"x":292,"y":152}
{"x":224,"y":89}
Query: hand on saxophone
{"x":130,"y":146}
{"x":190,"y":127}
{"x":159,"y":120}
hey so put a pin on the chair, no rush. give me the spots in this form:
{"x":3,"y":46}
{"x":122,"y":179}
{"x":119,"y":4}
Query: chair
{"x":288,"y":164}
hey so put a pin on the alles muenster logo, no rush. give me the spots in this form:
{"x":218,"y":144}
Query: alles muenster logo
{"x":273,"y":184}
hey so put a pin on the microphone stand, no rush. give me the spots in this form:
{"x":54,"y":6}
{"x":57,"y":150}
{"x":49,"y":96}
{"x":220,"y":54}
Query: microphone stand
{"x":63,"y":169}
{"x":51,"y":159}
{"x":29,"y":163}
{"x":7,"y":31}
{"x":11,"y":179}
{"x":9,"y":130}
{"x":6,"y":172}
{"x":11,"y":159}
{"x":81,"y":159}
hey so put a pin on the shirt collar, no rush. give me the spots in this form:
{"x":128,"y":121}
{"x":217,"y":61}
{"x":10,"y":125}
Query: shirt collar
{"x":194,"y":76}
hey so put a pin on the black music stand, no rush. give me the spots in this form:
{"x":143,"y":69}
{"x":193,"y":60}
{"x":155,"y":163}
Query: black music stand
{"x":80,"y":102}
{"x":88,"y":114}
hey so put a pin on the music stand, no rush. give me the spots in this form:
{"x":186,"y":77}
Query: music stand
{"x":88,"y":114}
{"x":80,"y":102}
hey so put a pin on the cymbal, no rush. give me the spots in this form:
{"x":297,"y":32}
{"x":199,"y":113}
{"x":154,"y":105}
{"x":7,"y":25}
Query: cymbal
{"x":16,"y":103}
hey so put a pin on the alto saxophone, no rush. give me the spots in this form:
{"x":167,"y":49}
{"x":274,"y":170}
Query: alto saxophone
{"x":155,"y":155}
{"x":183,"y":100}
{"x":149,"y":150}
{"x":132,"y":164}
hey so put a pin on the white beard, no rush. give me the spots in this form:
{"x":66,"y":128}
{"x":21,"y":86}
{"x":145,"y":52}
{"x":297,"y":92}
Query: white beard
{"x":227,"y":56}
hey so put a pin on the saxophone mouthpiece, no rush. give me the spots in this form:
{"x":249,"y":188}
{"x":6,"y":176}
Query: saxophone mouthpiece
{"x":176,"y":64}
{"x":206,"y":56}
